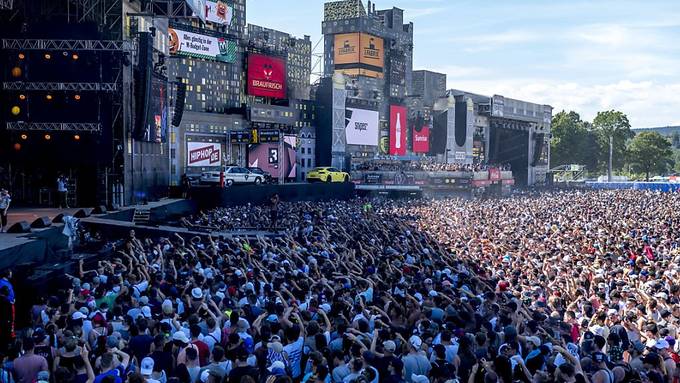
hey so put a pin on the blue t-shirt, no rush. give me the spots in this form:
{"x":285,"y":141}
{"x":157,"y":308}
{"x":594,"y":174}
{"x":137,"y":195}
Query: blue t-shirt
{"x":118,"y":372}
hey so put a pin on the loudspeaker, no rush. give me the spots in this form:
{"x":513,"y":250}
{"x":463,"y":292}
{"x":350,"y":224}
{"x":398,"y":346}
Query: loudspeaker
{"x":460,"y":131}
{"x":82,"y":213}
{"x":41,"y":223}
{"x":59,"y":218}
{"x":113,"y":207}
{"x":538,"y":148}
{"x":101,"y":209}
{"x":179,"y":102}
{"x":20,"y":227}
{"x":143,"y":85}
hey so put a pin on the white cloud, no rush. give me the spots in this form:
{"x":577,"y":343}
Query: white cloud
{"x":415,"y":13}
{"x":647,"y":103}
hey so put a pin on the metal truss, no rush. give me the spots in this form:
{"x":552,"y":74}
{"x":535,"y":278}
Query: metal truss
{"x":55,"y":126}
{"x":68,"y":45}
{"x":171,"y":8}
{"x":6,"y":4}
{"x":61,"y":86}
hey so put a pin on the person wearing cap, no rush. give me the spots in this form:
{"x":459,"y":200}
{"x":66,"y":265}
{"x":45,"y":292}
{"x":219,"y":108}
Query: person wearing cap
{"x":415,"y":362}
{"x":146,"y":370}
{"x":602,"y":373}
{"x":662,"y":347}
{"x":43,"y":347}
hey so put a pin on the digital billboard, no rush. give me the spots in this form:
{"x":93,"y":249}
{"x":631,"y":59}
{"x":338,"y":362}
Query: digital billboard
{"x":201,"y":46}
{"x":398,"y":130}
{"x":157,"y":126}
{"x":359,"y":54}
{"x":361,"y":127}
{"x":421,"y":139}
{"x":266,"y":76}
{"x":266,"y":156}
{"x":219,"y":12}
{"x":203,"y":154}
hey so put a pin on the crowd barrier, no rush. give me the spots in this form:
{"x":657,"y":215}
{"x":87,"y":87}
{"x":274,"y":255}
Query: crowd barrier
{"x":656,"y":186}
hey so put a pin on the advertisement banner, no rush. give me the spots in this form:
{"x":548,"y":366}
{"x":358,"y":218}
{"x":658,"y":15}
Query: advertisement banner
{"x":494,"y":174}
{"x":421,"y":139}
{"x":267,"y":157}
{"x":373,"y":178}
{"x":203,"y":154}
{"x":346,"y":48}
{"x":219,"y":12}
{"x":200,"y":46}
{"x":398,"y":130}
{"x":269,"y":135}
{"x":359,"y":54}
{"x":361,"y":127}
{"x":239,"y":137}
{"x":372,"y":51}
{"x":266,"y":76}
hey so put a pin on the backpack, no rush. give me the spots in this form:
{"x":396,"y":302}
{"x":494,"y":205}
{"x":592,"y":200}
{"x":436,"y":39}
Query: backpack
{"x":631,"y":376}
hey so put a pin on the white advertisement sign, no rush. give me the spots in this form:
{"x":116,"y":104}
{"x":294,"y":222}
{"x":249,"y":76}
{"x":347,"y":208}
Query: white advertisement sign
{"x":201,"y":46}
{"x":219,"y":12}
{"x":203,"y":154}
{"x":361,"y":127}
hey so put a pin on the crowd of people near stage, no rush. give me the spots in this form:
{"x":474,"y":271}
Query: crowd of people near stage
{"x":426,"y":166}
{"x":561,"y":287}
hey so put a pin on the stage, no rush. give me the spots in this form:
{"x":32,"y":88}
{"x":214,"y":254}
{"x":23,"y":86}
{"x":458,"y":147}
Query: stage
{"x":29,"y":215}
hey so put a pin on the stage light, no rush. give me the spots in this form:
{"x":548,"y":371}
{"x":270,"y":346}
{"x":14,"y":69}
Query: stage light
{"x":75,"y":56}
{"x":16,"y":71}
{"x":22,"y":56}
{"x":48,"y":97}
{"x":22,"y":97}
{"x":76,"y":97}
{"x":47,"y":56}
{"x":48,"y":137}
{"x":64,"y":53}
{"x":76,"y":137}
{"x":17,"y":146}
{"x":24,"y":136}
{"x":15,"y":110}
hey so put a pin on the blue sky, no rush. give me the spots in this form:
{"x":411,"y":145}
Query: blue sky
{"x":577,"y":55}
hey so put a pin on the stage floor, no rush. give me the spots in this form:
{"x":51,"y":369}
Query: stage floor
{"x":31,"y":214}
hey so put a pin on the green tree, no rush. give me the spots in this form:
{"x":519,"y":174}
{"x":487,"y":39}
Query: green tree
{"x":572,"y":141}
{"x":615,"y":124}
{"x":650,"y":152}
{"x":675,"y":139}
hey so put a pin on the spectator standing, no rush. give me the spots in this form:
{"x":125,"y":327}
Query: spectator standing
{"x":5,"y":200}
{"x":27,"y":367}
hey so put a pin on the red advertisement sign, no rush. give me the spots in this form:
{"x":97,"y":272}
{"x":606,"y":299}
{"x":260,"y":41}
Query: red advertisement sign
{"x":398,"y":130}
{"x":266,"y":76}
{"x":494,"y":174}
{"x":421,"y":139}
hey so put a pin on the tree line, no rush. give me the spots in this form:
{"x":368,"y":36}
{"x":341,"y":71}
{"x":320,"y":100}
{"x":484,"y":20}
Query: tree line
{"x":642,"y":155}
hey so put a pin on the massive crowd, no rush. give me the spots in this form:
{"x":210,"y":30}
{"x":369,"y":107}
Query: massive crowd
{"x":563,"y":287}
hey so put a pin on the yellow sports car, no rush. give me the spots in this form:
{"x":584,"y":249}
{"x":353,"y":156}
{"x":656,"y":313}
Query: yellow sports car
{"x":326,"y":174}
